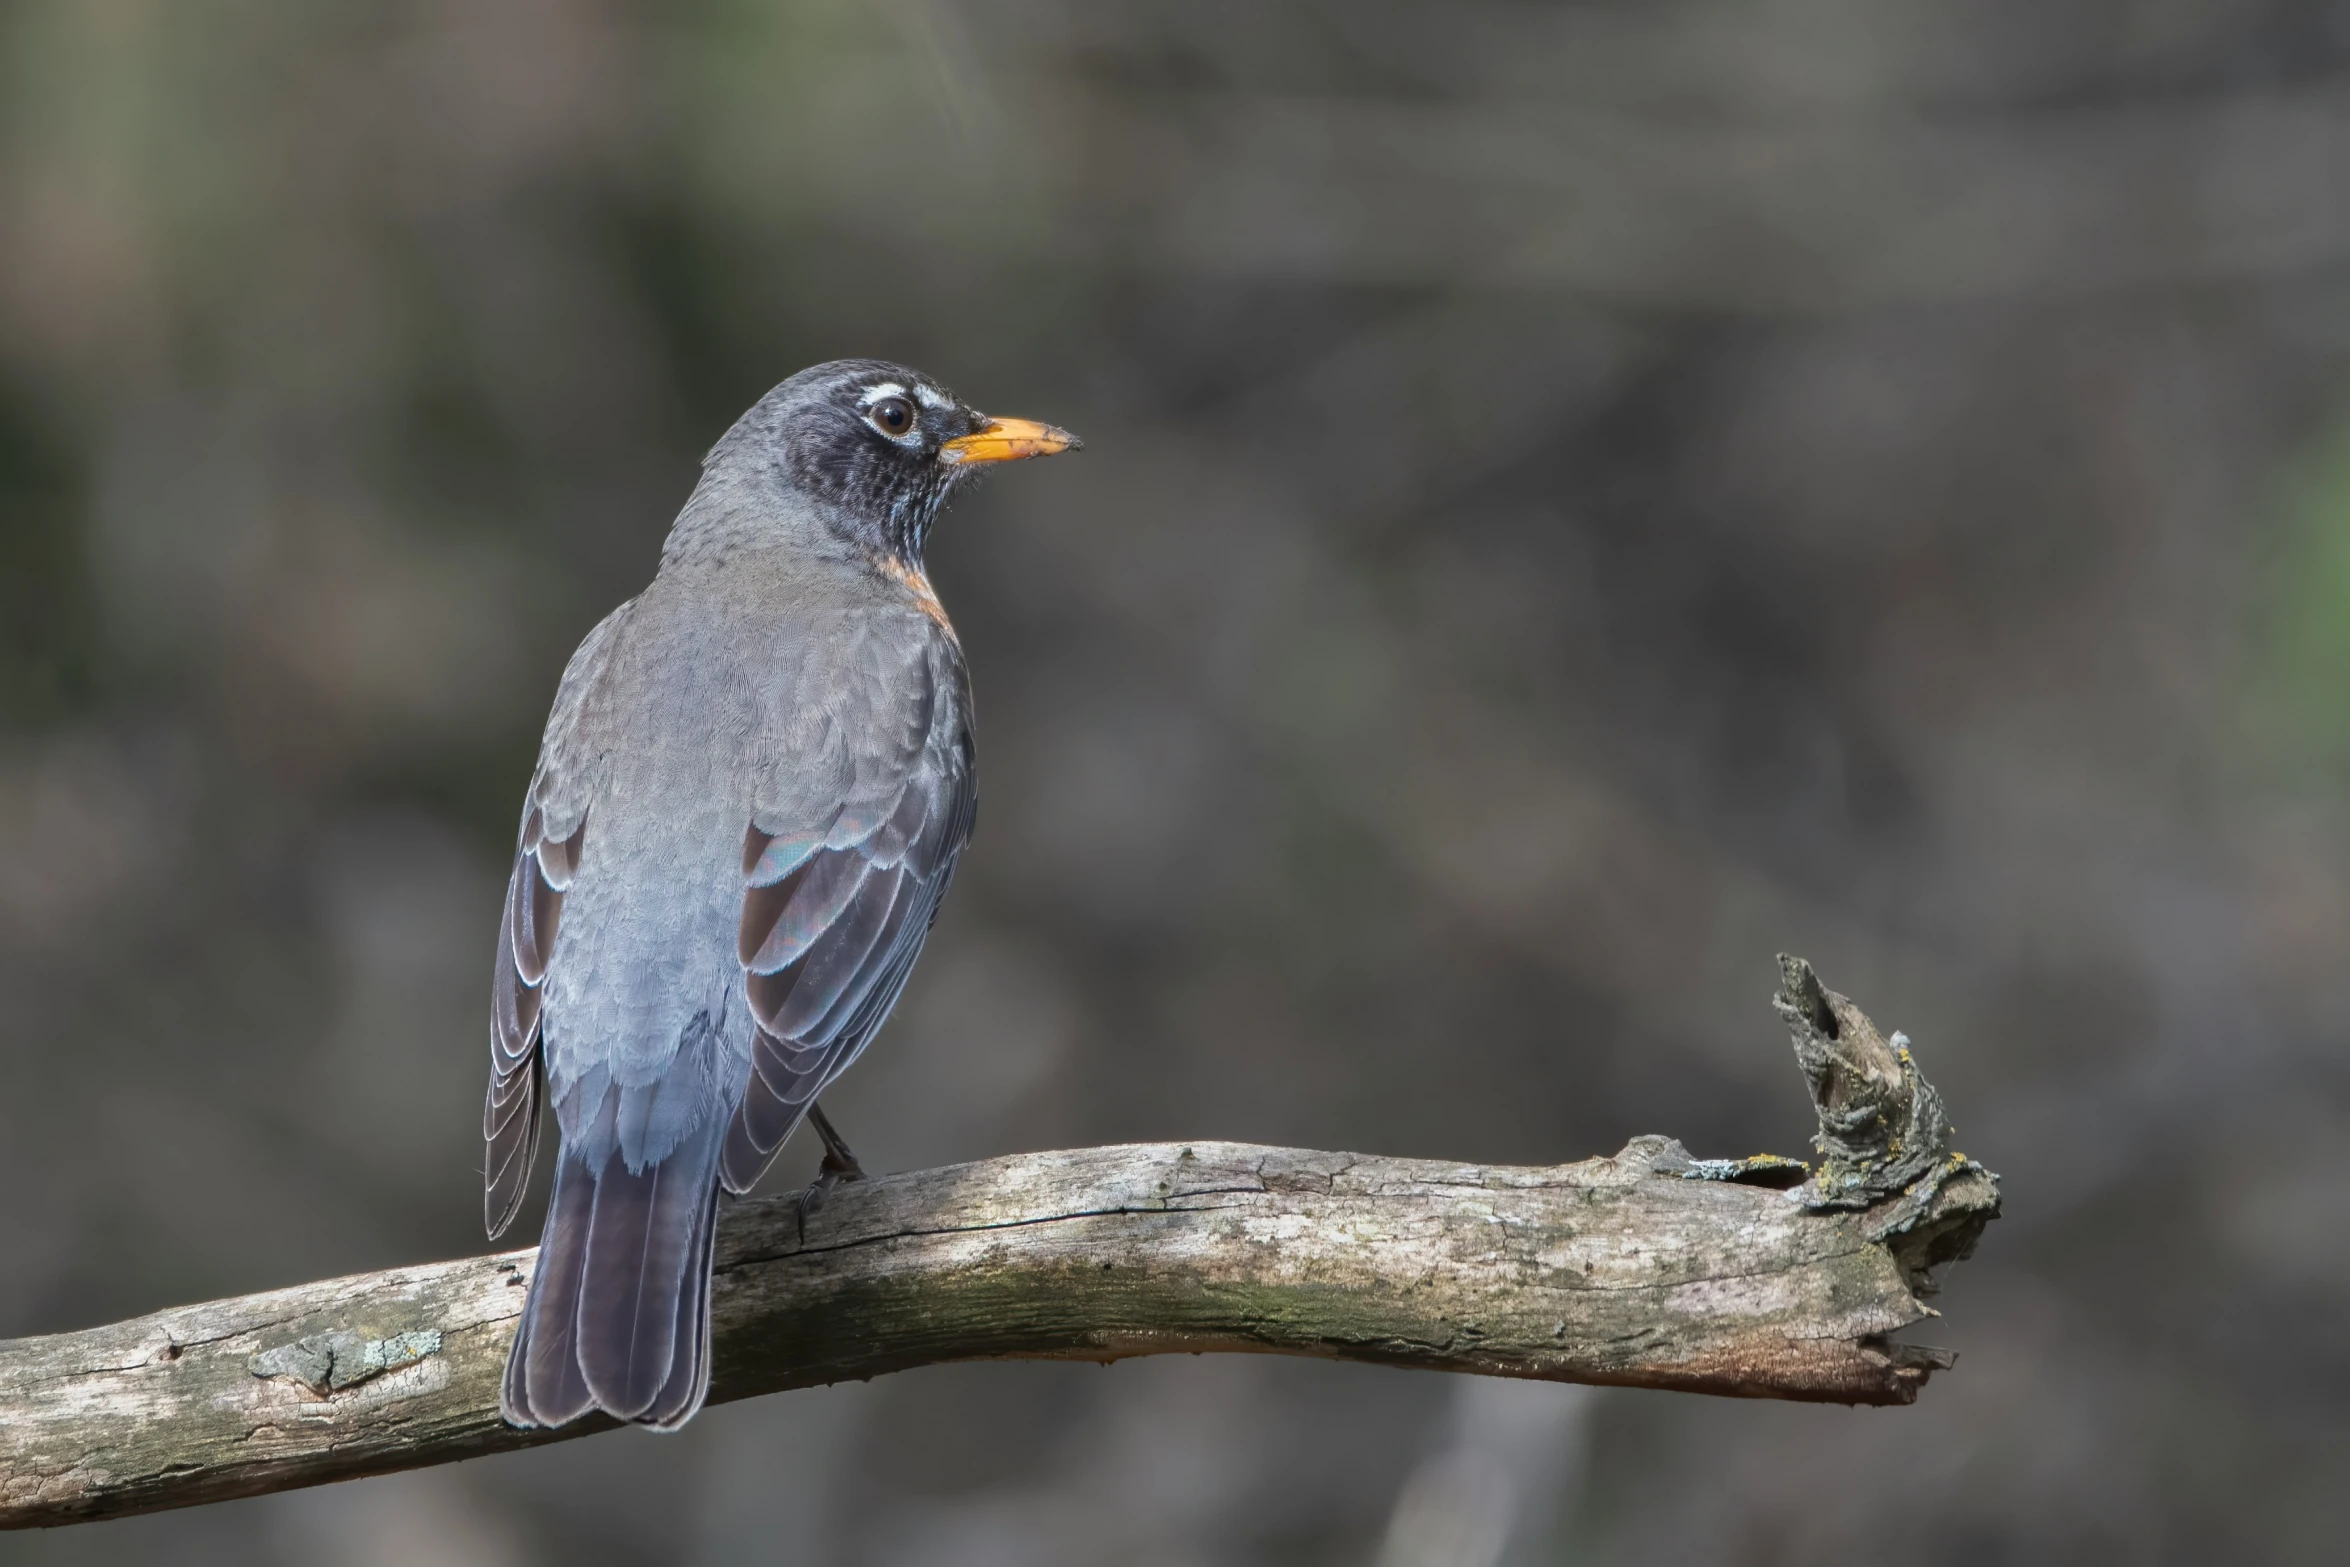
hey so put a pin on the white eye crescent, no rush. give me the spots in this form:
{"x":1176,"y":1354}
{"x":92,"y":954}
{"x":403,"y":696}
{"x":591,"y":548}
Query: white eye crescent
{"x":892,"y":416}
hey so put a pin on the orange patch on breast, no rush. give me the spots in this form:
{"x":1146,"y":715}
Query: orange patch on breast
{"x":914,"y":582}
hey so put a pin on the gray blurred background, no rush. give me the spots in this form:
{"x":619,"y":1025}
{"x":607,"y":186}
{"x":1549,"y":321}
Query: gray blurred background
{"x":1576,"y":501}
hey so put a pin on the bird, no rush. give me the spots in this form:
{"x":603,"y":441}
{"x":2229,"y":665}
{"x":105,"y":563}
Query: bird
{"x":755,"y":783}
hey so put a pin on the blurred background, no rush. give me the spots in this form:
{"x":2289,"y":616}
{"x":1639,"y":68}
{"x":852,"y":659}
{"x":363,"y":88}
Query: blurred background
{"x":1576,"y":501}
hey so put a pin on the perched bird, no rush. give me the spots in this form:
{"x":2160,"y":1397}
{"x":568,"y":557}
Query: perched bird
{"x":753,"y":788}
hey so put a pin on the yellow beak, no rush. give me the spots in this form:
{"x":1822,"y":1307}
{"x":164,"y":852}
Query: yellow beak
{"x":1008,"y":440}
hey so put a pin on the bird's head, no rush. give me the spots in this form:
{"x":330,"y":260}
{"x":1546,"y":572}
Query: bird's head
{"x":878,"y":448}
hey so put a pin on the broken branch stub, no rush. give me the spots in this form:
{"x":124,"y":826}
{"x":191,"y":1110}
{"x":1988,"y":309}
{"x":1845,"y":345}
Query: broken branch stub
{"x":1884,"y":1140}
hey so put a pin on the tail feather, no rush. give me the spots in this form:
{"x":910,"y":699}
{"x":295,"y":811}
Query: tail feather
{"x":689,"y":1376}
{"x":618,"y":1316}
{"x":543,"y":1382}
{"x":643,"y":1242}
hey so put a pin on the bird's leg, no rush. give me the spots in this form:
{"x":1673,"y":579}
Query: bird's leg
{"x":839,"y":1166}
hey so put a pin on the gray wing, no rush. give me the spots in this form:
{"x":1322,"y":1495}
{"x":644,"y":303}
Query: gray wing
{"x":554,"y":828}
{"x":843,"y":870}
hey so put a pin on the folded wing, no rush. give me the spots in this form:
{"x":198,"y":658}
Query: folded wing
{"x":546,"y":857}
{"x":836,"y":905}
{"x":543,"y":868}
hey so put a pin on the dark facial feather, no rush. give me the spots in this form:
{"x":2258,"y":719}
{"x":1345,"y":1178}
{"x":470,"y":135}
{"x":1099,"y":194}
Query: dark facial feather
{"x":887,"y":492}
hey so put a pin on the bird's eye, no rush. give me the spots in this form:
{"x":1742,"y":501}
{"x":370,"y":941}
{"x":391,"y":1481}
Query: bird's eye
{"x":892,"y":415}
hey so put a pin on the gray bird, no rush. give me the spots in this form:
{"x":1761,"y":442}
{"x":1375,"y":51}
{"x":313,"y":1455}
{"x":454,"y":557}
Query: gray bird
{"x":754,"y":785}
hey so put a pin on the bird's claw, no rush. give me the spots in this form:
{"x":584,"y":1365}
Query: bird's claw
{"x":829,"y":1174}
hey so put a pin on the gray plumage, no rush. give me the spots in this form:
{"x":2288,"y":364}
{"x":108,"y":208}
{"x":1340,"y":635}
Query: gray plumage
{"x":753,"y":787}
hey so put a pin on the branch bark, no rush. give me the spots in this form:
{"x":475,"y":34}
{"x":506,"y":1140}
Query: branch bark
{"x":1650,"y":1269}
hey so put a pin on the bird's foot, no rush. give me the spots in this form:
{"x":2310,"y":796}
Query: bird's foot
{"x":838,"y":1169}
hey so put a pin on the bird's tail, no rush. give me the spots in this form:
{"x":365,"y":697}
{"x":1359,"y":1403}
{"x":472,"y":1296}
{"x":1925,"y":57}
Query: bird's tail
{"x":618,"y":1316}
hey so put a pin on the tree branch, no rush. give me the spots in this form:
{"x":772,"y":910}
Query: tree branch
{"x":1650,"y":1269}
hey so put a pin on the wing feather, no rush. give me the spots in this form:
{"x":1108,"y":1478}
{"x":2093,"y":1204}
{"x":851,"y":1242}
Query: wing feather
{"x":510,"y":1111}
{"x":834,"y":915}
{"x":811,"y":903}
{"x":546,"y":858}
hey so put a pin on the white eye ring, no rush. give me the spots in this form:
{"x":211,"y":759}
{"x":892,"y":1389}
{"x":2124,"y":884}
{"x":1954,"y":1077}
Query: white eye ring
{"x":894,"y":417}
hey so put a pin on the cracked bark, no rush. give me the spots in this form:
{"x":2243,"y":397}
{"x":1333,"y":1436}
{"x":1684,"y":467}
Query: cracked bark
{"x":1752,"y":1278}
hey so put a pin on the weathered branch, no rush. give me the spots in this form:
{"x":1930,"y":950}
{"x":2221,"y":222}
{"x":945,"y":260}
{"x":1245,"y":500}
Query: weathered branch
{"x":1645,"y":1270}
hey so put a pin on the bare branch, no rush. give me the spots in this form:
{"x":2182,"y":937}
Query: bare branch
{"x":1649,"y":1269}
